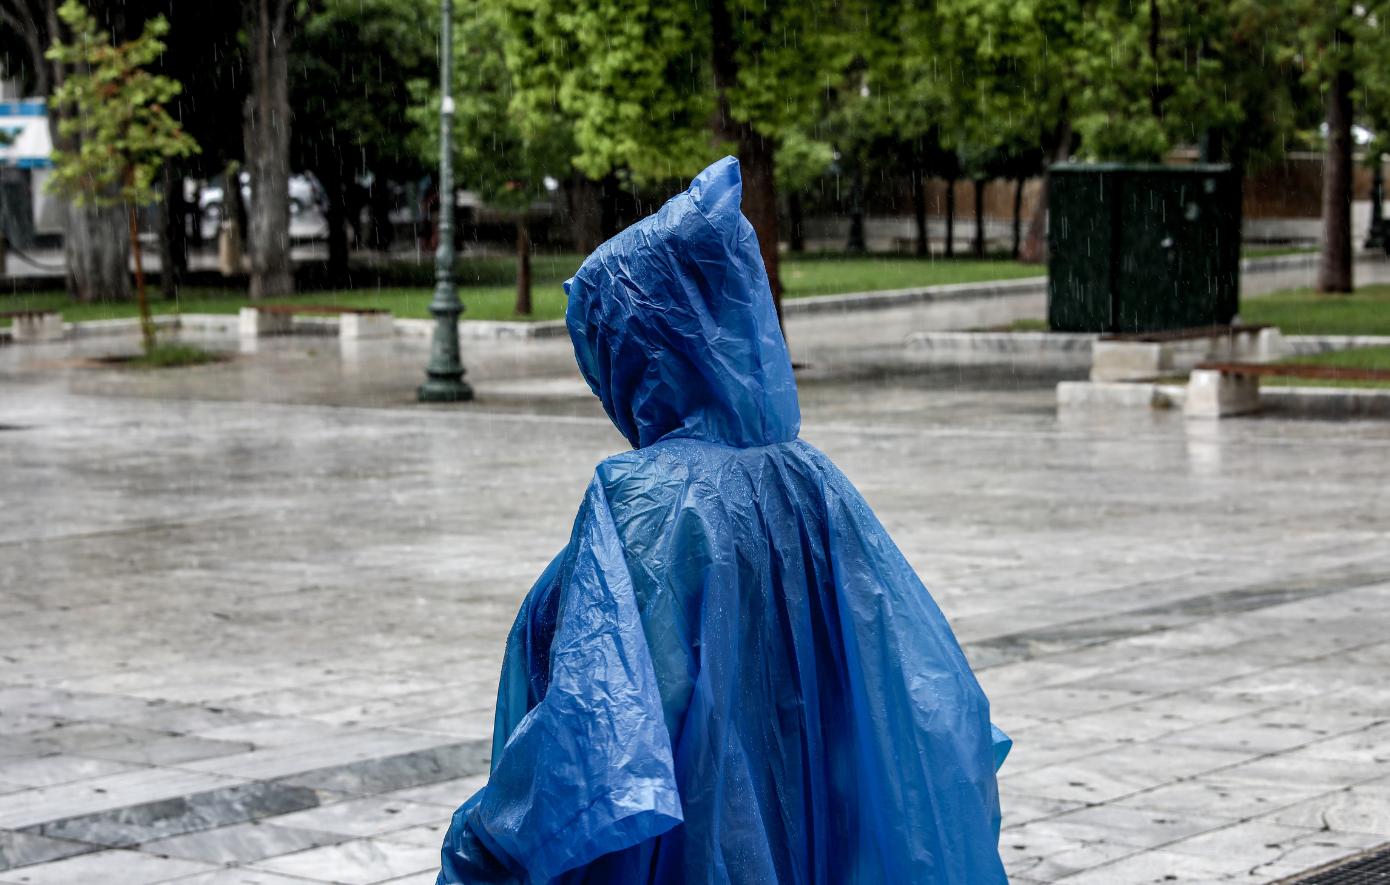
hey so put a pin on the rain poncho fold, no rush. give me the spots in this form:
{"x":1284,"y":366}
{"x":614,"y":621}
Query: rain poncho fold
{"x":730,"y":674}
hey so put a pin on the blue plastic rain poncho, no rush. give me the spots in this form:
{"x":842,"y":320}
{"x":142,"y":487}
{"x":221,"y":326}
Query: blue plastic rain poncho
{"x":730,"y":674}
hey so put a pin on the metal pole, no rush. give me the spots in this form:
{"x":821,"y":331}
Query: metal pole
{"x":444,"y":382}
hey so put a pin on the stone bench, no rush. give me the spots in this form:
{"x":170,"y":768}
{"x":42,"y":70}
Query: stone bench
{"x":1218,"y":390}
{"x":34,"y":325}
{"x":353,"y":323}
{"x":1151,"y":355}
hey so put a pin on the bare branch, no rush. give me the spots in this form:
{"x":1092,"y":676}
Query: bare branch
{"x":21,"y":17}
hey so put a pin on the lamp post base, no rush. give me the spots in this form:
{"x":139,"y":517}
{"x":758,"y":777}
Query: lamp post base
{"x":444,"y":377}
{"x":445,"y":390}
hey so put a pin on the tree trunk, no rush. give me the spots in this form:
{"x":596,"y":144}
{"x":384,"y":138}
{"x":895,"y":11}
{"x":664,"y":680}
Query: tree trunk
{"x":179,"y":210}
{"x":523,"y":266}
{"x":383,"y":234}
{"x":433,"y":215}
{"x":585,"y":197}
{"x":37,"y":24}
{"x":756,"y":157}
{"x":1210,"y":145}
{"x":798,"y":232}
{"x":230,"y":255}
{"x":1035,"y":246}
{"x":1334,"y":266}
{"x":194,"y":213}
{"x":951,"y":218}
{"x":756,"y":152}
{"x":171,"y":241}
{"x":919,"y":212}
{"x":97,"y":248}
{"x":331,"y":177}
{"x":146,"y":322}
{"x":611,"y":195}
{"x":354,"y":205}
{"x":266,"y":130}
{"x":1156,"y":92}
{"x":979,"y":244}
{"x":856,"y":242}
{"x":1375,"y":235}
{"x":337,"y":239}
{"x":1018,"y":217}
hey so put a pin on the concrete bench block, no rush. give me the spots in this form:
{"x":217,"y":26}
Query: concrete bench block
{"x":45,"y":326}
{"x":1105,"y":394}
{"x":1147,"y":360}
{"x":1249,"y":345}
{"x":1269,"y":345}
{"x":255,"y":323}
{"x":1213,"y":394}
{"x":1130,"y":360}
{"x":367,"y":325}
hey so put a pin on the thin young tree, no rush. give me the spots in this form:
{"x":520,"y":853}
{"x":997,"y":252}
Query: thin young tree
{"x":271,"y":29}
{"x":126,"y":135}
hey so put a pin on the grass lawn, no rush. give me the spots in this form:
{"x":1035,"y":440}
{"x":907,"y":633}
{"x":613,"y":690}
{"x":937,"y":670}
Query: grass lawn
{"x":836,"y":273}
{"x":1275,"y":251}
{"x":1305,"y":312}
{"x":488,"y":289}
{"x":1361,"y":358}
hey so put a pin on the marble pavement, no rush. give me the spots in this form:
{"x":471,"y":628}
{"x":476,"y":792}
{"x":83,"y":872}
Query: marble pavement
{"x":251,"y":614}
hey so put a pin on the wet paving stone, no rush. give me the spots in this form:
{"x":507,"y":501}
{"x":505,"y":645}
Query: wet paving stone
{"x":252,"y":618}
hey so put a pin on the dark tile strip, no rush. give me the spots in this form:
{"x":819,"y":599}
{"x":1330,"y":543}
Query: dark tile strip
{"x":1367,"y":869}
{"x":122,"y":827}
{"x":135,"y":824}
{"x":22,"y":849}
{"x":399,"y":772}
{"x":1027,"y":644}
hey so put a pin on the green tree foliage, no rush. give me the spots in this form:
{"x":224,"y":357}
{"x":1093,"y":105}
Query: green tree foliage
{"x":630,"y":76}
{"x":353,"y":78}
{"x":503,"y":151}
{"x":1342,"y":51}
{"x":659,"y":88}
{"x":1134,"y":78}
{"x":124,"y":131}
{"x":1122,"y":80}
{"x":1326,"y":37}
{"x":802,"y":157}
{"x":119,"y":125}
{"x":355,"y":64}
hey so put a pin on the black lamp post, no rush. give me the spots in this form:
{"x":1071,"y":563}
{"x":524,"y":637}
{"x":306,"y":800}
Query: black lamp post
{"x":444,"y":382}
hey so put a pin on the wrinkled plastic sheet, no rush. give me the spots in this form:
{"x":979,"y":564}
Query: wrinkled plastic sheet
{"x":730,"y":674}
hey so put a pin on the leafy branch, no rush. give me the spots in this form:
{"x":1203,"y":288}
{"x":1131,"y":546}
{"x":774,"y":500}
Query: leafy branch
{"x":117,"y":123}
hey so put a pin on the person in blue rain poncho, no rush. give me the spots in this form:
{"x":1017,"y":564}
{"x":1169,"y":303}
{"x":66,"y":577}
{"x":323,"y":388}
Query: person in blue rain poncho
{"x":730,"y":674}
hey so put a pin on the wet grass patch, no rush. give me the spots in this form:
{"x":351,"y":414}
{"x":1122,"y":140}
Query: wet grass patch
{"x":166,"y":355}
{"x":1359,"y":358}
{"x":487,"y":287}
{"x":1305,"y":312}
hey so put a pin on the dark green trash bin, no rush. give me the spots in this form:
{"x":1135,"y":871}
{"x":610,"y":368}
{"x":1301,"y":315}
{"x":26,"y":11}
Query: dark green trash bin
{"x":1142,"y":248}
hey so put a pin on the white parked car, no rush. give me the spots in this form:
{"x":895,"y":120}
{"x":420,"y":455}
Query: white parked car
{"x":308,"y":205}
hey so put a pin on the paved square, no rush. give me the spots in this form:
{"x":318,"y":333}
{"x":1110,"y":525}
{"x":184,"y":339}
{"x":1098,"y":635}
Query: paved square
{"x":252,"y":613}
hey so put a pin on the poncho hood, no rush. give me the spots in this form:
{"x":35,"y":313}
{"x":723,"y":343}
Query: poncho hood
{"x":674,"y":326}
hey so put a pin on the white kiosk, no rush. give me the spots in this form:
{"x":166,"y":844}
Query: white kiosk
{"x":24,"y":167}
